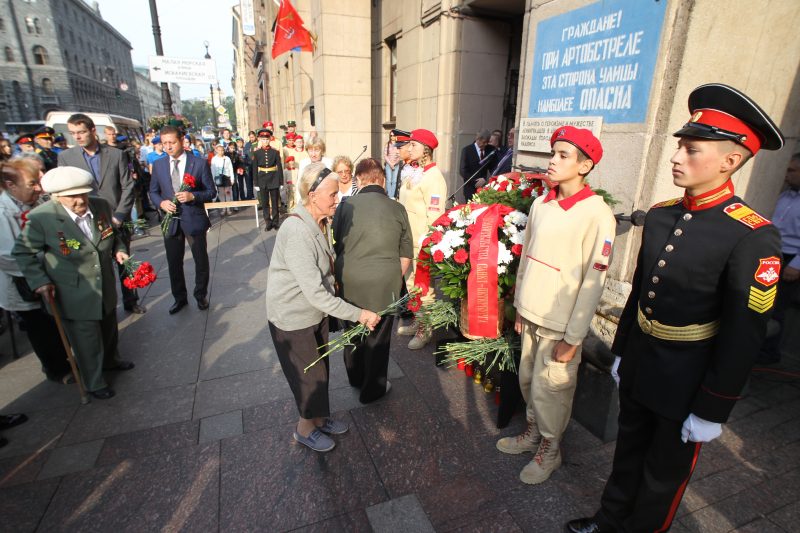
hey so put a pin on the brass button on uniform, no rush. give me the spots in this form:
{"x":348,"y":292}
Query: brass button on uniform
{"x":655,"y":279}
{"x":651,"y":294}
{"x":662,"y":263}
{"x":648,"y":311}
{"x":669,"y":248}
{"x":678,"y":232}
{"x":687,"y":216}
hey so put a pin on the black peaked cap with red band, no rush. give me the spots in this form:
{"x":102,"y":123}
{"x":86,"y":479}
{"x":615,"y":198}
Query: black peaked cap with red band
{"x":720,"y":113}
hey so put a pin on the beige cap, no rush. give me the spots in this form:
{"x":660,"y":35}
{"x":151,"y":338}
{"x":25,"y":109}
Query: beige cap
{"x":67,"y":181}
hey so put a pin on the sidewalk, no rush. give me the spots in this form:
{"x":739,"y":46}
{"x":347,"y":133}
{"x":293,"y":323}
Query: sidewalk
{"x":198,"y":437}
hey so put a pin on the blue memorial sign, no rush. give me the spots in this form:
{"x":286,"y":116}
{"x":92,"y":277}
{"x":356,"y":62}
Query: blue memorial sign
{"x":597,"y":61}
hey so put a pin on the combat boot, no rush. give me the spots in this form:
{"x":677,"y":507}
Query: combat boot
{"x":421,"y":338}
{"x":528,"y":441}
{"x":407,"y":327}
{"x":544,"y":463}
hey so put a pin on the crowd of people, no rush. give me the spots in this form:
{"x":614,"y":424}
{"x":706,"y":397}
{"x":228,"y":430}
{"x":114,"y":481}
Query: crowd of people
{"x":347,"y":236}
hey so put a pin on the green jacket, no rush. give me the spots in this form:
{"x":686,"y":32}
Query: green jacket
{"x":53,"y":249}
{"x":371,"y":234}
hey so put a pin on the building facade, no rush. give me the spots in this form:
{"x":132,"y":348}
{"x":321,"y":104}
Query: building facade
{"x":457,"y":67}
{"x":150,"y":95}
{"x":62,"y":55}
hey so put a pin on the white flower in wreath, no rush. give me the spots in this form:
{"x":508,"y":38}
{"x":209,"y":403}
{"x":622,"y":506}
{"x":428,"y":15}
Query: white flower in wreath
{"x":518,"y":218}
{"x":501,"y":269}
{"x":473,"y":215}
{"x":453,"y":238}
{"x":444,"y":248}
{"x":504,"y":255}
{"x":517,"y":238}
{"x":459,"y":218}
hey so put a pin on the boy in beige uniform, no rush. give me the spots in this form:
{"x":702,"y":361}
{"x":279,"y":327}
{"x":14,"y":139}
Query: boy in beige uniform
{"x":565,"y":257}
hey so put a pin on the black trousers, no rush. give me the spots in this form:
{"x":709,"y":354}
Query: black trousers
{"x":787,"y":292}
{"x":176,"y":249}
{"x":248,"y":177}
{"x":296,"y":350}
{"x":368,"y":362}
{"x":129,"y":296}
{"x":46,"y":342}
{"x":238,"y":187}
{"x":270,"y":202}
{"x":652,"y":467}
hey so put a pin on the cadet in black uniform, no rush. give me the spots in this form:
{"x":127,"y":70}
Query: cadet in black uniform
{"x":267,"y":169}
{"x":43,"y":141}
{"x":702,"y":294}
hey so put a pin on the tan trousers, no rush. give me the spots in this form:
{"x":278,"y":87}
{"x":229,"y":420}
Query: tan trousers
{"x":547,"y":385}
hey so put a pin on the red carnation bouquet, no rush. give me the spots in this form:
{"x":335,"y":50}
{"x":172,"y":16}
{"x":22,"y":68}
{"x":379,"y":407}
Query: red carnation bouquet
{"x":138,"y":274}
{"x":189,"y":183}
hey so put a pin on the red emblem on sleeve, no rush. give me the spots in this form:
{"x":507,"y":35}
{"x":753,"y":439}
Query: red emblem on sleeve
{"x":769,"y":271}
{"x":607,"y":248}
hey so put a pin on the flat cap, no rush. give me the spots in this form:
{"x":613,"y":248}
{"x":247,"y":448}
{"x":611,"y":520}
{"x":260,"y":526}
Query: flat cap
{"x":67,"y":181}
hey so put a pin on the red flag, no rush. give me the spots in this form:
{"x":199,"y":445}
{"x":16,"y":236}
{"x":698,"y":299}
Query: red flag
{"x":289,"y":31}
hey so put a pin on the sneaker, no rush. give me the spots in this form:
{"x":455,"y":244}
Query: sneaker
{"x":317,"y":441}
{"x":333,"y":427}
{"x":528,"y":441}
{"x":407,"y":328}
{"x":421,"y":339}
{"x":545,"y":462}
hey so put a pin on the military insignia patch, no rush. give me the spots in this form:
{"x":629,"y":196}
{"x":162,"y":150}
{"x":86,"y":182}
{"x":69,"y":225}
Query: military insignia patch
{"x":667,"y":203}
{"x":606,"y":248}
{"x":434,"y":200}
{"x":761,"y":301}
{"x":600,"y":266}
{"x":769,"y":271}
{"x":106,"y":233}
{"x":746,"y":216}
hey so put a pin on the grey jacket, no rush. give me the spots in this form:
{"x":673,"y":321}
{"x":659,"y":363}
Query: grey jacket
{"x":116,"y":184}
{"x":300,"y":286}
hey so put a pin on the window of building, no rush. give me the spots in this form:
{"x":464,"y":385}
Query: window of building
{"x":85,"y":67}
{"x":47,"y":87}
{"x":39,"y":55}
{"x":2,"y":24}
{"x":391,"y":44}
{"x":9,"y":54}
{"x":37,"y":27}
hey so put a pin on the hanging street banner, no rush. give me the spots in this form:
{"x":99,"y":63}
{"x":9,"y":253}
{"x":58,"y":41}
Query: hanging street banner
{"x":248,"y":17}
{"x":598,"y":60}
{"x":182,"y":70}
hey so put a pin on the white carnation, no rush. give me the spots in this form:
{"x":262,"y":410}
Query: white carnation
{"x":504,"y":255}
{"x":517,"y":238}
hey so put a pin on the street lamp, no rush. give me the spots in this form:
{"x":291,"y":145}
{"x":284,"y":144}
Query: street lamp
{"x":210,"y":85}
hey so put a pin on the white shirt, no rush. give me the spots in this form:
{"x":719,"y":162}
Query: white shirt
{"x":181,"y":169}
{"x":84,"y":222}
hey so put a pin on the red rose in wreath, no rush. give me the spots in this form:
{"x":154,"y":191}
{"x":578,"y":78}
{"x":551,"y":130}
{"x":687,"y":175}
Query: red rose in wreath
{"x":461,"y":256}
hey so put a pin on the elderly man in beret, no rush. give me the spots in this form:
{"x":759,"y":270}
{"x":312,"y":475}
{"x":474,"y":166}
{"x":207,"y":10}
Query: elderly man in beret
{"x":75,"y":237}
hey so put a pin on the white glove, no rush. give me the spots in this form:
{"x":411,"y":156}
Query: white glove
{"x":696,"y":429}
{"x":614,"y":369}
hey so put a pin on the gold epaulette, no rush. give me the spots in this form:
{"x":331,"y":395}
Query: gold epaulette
{"x":667,"y":203}
{"x":746,"y":216}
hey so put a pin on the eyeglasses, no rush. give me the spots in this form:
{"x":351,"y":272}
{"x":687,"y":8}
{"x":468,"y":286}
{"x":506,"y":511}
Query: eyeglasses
{"x":737,"y":137}
{"x":345,"y":172}
{"x":322,"y":176}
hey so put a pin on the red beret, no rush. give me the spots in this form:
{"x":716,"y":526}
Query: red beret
{"x":583,"y":140}
{"x":425,"y":137}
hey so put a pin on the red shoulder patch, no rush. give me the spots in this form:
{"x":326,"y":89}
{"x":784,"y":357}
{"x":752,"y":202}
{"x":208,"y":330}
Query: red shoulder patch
{"x":746,"y":216}
{"x":769,"y":271}
{"x":667,"y":203}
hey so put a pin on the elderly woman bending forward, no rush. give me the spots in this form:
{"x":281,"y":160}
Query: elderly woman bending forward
{"x":300,"y":293}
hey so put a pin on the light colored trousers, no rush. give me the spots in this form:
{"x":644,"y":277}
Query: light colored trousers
{"x":548,"y":386}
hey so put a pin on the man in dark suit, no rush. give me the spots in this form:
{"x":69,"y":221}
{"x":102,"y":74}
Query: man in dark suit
{"x":267,"y":169}
{"x":191,"y":221}
{"x":503,"y":156}
{"x":473,"y":156}
{"x":112,"y":182}
{"x":373,"y":251}
{"x":74,"y":234}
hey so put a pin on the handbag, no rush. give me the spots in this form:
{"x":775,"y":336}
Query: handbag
{"x":221,"y":180}
{"x":24,"y":290}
